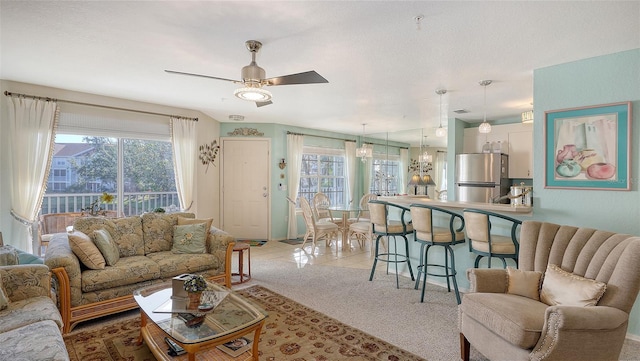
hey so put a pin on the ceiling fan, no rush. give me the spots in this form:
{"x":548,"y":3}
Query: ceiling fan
{"x":253,"y":79}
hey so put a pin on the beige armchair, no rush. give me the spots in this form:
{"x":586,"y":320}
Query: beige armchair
{"x":503,"y":325}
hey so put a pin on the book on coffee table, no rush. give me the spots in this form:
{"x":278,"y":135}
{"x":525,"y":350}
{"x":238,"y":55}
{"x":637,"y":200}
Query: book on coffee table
{"x":236,"y":347}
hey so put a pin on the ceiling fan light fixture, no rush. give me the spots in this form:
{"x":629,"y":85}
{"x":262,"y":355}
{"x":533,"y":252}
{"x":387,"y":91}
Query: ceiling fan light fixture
{"x":253,"y":94}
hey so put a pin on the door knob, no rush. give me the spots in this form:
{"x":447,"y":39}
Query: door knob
{"x":265,"y":194}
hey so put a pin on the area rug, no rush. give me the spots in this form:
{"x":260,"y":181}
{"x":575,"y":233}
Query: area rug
{"x":291,"y":332}
{"x":253,"y":242}
{"x":293,"y":241}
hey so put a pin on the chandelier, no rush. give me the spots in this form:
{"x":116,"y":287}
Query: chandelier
{"x":366,"y":150}
{"x":485,"y":127}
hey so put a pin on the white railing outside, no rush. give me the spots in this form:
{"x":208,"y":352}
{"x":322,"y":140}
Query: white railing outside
{"x":132,"y":204}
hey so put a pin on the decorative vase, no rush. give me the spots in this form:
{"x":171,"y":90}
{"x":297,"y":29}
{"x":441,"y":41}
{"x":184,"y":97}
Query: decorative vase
{"x":194,"y":300}
{"x":569,"y":168}
{"x":569,"y":151}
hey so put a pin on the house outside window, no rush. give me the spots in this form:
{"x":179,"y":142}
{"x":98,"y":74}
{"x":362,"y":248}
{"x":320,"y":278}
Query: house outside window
{"x":83,"y":167}
{"x":323,"y":171}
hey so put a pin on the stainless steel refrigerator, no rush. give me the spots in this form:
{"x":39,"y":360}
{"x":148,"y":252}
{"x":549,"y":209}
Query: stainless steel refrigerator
{"x":482,"y":177}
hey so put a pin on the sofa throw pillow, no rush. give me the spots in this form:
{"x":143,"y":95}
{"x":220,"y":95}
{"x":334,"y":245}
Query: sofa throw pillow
{"x":107,"y":246}
{"x":563,"y":288}
{"x":524,"y":283}
{"x":189,"y":238}
{"x":182,"y":221}
{"x":86,"y":251}
{"x":4,"y":299}
{"x":8,"y":256}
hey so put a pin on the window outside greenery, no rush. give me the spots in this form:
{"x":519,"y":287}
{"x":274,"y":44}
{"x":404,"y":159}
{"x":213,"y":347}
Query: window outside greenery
{"x":83,"y":167}
{"x":322,"y":173}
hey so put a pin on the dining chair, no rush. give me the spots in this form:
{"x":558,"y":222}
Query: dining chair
{"x":428,"y":235}
{"x":363,"y":212}
{"x":383,"y":226}
{"x":52,"y":223}
{"x":322,"y":213}
{"x":484,"y":243}
{"x":317,"y":229}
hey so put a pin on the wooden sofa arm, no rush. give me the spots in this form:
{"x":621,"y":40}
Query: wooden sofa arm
{"x":64,"y":297}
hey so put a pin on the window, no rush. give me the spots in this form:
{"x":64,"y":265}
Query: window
{"x":142,"y":182}
{"x":384,"y":176}
{"x":323,"y":172}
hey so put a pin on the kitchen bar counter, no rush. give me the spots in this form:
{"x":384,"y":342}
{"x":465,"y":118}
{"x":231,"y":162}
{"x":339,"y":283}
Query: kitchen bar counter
{"x":492,"y":207}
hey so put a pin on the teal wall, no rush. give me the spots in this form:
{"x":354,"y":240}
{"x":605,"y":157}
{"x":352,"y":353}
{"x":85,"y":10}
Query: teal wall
{"x":601,"y":80}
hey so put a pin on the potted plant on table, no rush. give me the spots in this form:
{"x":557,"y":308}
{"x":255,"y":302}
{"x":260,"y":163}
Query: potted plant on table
{"x":194,"y":285}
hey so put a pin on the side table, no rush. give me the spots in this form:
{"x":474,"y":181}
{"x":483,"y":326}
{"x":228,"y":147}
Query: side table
{"x":242,"y":249}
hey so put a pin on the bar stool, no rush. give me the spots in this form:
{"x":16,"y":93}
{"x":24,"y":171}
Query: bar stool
{"x":241,"y":247}
{"x":485,"y":244}
{"x":382,"y":226}
{"x":427,"y":235}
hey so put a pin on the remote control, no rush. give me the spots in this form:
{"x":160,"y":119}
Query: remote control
{"x":174,"y":346}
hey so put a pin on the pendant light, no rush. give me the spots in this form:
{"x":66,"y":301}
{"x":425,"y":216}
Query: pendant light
{"x":365,"y":151}
{"x":441,"y":132}
{"x":485,"y":127}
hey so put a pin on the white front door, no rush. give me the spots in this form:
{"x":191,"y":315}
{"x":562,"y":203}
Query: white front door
{"x":245,"y":187}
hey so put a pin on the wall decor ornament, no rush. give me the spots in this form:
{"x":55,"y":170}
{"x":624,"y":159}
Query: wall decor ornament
{"x":245,"y":132}
{"x":208,"y":154}
{"x":588,"y":147}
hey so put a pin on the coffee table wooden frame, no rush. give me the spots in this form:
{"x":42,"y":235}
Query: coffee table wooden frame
{"x":207,"y":350}
{"x":154,"y":336}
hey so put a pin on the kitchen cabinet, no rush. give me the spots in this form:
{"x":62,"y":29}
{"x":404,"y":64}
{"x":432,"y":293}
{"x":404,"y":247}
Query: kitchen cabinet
{"x":516,"y":140}
{"x":521,"y":154}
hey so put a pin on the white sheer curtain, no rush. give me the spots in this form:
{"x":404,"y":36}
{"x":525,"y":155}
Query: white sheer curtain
{"x":350,"y":168}
{"x":440,"y":174}
{"x":32,"y":127}
{"x":295,"y":145}
{"x":402,"y":172}
{"x":183,"y":142}
{"x":367,"y":175}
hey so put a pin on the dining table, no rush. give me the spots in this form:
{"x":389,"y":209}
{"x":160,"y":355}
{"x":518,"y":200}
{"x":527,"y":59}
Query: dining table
{"x":345,"y":212}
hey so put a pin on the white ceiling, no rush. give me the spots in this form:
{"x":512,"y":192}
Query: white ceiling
{"x":383,"y":68}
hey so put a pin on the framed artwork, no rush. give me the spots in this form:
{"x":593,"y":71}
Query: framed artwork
{"x":588,"y":147}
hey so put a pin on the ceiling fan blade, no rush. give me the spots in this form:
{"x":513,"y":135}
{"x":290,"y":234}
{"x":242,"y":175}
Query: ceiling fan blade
{"x":201,"y":76}
{"x":308,"y":77}
{"x":261,"y":104}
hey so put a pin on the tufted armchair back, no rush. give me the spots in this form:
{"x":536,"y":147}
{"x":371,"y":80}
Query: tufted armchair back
{"x":612,"y":258}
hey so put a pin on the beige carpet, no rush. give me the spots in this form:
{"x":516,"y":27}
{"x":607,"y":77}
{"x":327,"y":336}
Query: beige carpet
{"x":291,"y":332}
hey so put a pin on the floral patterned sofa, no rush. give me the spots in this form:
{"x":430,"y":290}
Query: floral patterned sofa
{"x":144,"y":246}
{"x":30,"y":325}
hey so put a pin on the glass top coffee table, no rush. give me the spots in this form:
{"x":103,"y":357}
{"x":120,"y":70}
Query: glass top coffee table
{"x":233,"y":317}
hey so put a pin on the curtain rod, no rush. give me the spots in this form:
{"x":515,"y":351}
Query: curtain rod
{"x":320,"y":136}
{"x":346,"y":140}
{"x":10,"y":94}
